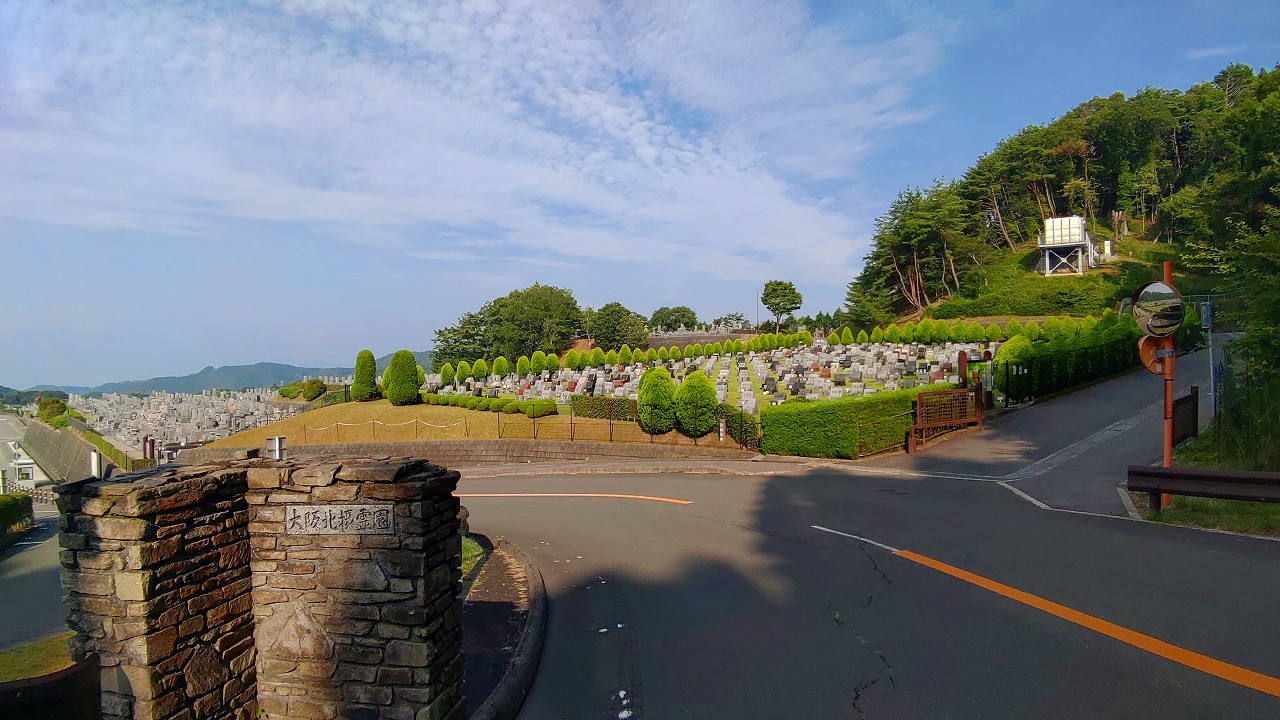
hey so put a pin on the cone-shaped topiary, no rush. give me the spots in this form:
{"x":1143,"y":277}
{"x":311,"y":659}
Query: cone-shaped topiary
{"x":696,"y":350}
{"x":597,"y":357}
{"x":909,"y":331}
{"x":624,"y":354}
{"x":552,"y":363}
{"x":447,"y":374}
{"x":1051,"y":329}
{"x":833,"y":338}
{"x":863,"y":339}
{"x":522,"y":366}
{"x":1087,"y":324}
{"x":537,"y":362}
{"x":480,"y":370}
{"x":571,"y":360}
{"x":1031,"y":331}
{"x":464,"y":370}
{"x":975,"y":332}
{"x":924,"y":331}
{"x":846,"y":336}
{"x":364,"y":386}
{"x":695,"y":405}
{"x":501,"y":367}
{"x":611,"y":358}
{"x":400,"y":379}
{"x":655,"y":404}
{"x":1012,"y":329}
{"x":422,"y":376}
{"x":806,"y":338}
{"x":664,"y":354}
{"x":893,"y":333}
{"x":651,"y":355}
{"x":958,"y":332}
{"x":993,"y":333}
{"x":877,"y":335}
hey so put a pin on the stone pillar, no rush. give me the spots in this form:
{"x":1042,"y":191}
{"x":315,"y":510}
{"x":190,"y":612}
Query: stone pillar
{"x":156,"y":569}
{"x":355,"y":588}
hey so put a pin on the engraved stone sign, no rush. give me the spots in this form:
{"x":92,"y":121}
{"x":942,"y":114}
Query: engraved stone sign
{"x":339,"y":520}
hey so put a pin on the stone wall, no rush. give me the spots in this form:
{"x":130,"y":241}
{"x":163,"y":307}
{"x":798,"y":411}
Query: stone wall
{"x":471,"y":453}
{"x":364,"y":625}
{"x":215,"y":591}
{"x":156,"y":567}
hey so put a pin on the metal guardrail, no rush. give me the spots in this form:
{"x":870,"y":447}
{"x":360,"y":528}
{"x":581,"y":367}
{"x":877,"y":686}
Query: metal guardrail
{"x":1196,"y":482}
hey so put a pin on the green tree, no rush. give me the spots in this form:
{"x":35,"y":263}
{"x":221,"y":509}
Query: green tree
{"x":1013,"y":328}
{"x":614,"y":326}
{"x":863,"y":338}
{"x":781,"y":298}
{"x":993,"y":333}
{"x":501,"y":367}
{"x":422,"y":375}
{"x":893,"y":333}
{"x":975,"y":332}
{"x":651,"y":355}
{"x":846,"y":336}
{"x":833,"y":338}
{"x":924,"y":331}
{"x":465,"y":371}
{"x":664,"y":355}
{"x":447,"y":374}
{"x":313,"y":389}
{"x":480,"y":370}
{"x":908,"y":332}
{"x":611,"y":358}
{"x":552,"y":363}
{"x":400,"y":380}
{"x":523,"y":366}
{"x":958,"y":332}
{"x":364,"y":386}
{"x":655,"y":403}
{"x":671,"y":318}
{"x":877,"y":335}
{"x":537,"y":362}
{"x":695,"y":405}
{"x":1031,"y":331}
{"x":597,"y":357}
{"x":624,"y":354}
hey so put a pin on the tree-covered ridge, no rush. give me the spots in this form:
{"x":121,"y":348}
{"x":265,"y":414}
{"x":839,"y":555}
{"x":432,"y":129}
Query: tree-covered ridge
{"x":1187,"y":168}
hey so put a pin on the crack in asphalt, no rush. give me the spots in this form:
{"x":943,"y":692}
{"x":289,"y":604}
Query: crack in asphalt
{"x":879,"y":653}
{"x":880,"y":571}
{"x":857,"y":698}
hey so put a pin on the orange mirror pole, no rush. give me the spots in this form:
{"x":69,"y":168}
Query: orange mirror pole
{"x":1168,"y":390}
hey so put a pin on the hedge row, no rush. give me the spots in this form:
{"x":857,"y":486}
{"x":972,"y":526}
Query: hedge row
{"x":842,"y":428}
{"x":741,"y":426}
{"x":531,"y":408}
{"x":15,"y":510}
{"x":605,"y":408}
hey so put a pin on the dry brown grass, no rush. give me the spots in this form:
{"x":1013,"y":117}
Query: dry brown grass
{"x":380,"y":421}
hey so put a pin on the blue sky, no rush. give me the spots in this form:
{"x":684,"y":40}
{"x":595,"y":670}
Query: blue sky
{"x":220,"y":183}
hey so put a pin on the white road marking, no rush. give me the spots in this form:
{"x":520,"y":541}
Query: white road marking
{"x":1078,"y":447}
{"x":859,"y":538}
{"x":1023,"y":495}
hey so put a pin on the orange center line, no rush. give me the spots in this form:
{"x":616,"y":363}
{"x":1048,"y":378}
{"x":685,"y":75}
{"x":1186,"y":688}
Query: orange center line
{"x":577,"y":495}
{"x":1203,"y":663}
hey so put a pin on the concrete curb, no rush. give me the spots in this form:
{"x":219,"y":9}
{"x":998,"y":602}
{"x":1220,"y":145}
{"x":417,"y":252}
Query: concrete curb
{"x":507,"y":698}
{"x":532,"y":470}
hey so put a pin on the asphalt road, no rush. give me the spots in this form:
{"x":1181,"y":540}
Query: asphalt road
{"x":30,"y":589}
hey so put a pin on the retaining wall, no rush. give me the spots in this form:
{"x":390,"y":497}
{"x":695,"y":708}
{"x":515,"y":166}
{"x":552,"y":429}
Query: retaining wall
{"x":62,"y":455}
{"x":470,"y":453}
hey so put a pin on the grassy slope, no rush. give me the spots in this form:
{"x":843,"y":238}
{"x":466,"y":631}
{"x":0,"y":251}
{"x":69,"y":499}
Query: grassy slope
{"x":447,"y":423}
{"x":36,"y":658}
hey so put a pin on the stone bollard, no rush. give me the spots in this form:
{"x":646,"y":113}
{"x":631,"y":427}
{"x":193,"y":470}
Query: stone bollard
{"x":251,"y":588}
{"x":355,"y":574}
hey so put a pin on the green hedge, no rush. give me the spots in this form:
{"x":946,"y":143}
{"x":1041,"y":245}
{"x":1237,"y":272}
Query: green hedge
{"x":742,"y":427}
{"x":843,"y":428}
{"x":15,"y":510}
{"x":605,"y":408}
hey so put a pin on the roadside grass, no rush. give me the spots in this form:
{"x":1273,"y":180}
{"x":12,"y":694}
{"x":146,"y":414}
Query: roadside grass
{"x":36,"y":658}
{"x":472,"y":553}
{"x":1254,"y":518}
{"x":380,"y":421}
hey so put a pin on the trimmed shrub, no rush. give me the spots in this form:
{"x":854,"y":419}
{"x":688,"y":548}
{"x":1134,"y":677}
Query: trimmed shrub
{"x":512,"y":408}
{"x":501,"y":367}
{"x":863,"y":339}
{"x":1012,"y":328}
{"x":571,"y":360}
{"x":651,"y":355}
{"x":290,"y":391}
{"x":553,"y":363}
{"x":422,"y":376}
{"x":447,"y":374}
{"x":400,"y":379}
{"x":598,"y":358}
{"x":846,"y":336}
{"x":611,"y":358}
{"x":909,"y":331}
{"x":15,"y":510}
{"x":656,"y":405}
{"x":1031,"y":331}
{"x":843,"y":428}
{"x":480,"y":370}
{"x":740,"y":426}
{"x":975,"y":332}
{"x":314,"y":388}
{"x":958,"y":332}
{"x":695,"y":405}
{"x":924,"y":331}
{"x":993,"y":333}
{"x":625,"y":354}
{"x":1087,"y":324}
{"x":465,"y":370}
{"x":1051,"y":329}
{"x":664,"y":355}
{"x":693,"y":351}
{"x":537,"y":362}
{"x":522,"y":366}
{"x":604,"y":408}
{"x":483,"y":404}
{"x":539,"y":408}
{"x":497,"y":404}
{"x":893,"y":333}
{"x":833,"y":338}
{"x":364,"y":385}
{"x":877,"y":335}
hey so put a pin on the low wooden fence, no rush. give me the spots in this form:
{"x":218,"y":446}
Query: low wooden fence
{"x":942,"y":411}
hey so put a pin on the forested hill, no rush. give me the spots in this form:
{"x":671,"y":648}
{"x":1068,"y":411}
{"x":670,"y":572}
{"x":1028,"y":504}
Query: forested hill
{"x":1188,"y":170}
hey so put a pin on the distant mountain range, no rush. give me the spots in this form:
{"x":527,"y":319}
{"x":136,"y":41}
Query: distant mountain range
{"x":228,"y":377}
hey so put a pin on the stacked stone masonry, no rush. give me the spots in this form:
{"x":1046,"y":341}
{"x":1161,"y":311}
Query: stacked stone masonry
{"x":214,"y":591}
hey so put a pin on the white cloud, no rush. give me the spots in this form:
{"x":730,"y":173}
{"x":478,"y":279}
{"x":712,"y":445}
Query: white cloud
{"x":1202,"y":53}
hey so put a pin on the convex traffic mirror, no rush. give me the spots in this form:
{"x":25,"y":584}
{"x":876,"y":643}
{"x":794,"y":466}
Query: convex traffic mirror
{"x":1158,"y":309}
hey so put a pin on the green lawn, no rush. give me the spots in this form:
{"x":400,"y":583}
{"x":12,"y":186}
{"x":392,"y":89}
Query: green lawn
{"x":36,"y":658}
{"x":472,"y":553}
{"x":1255,"y":518}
